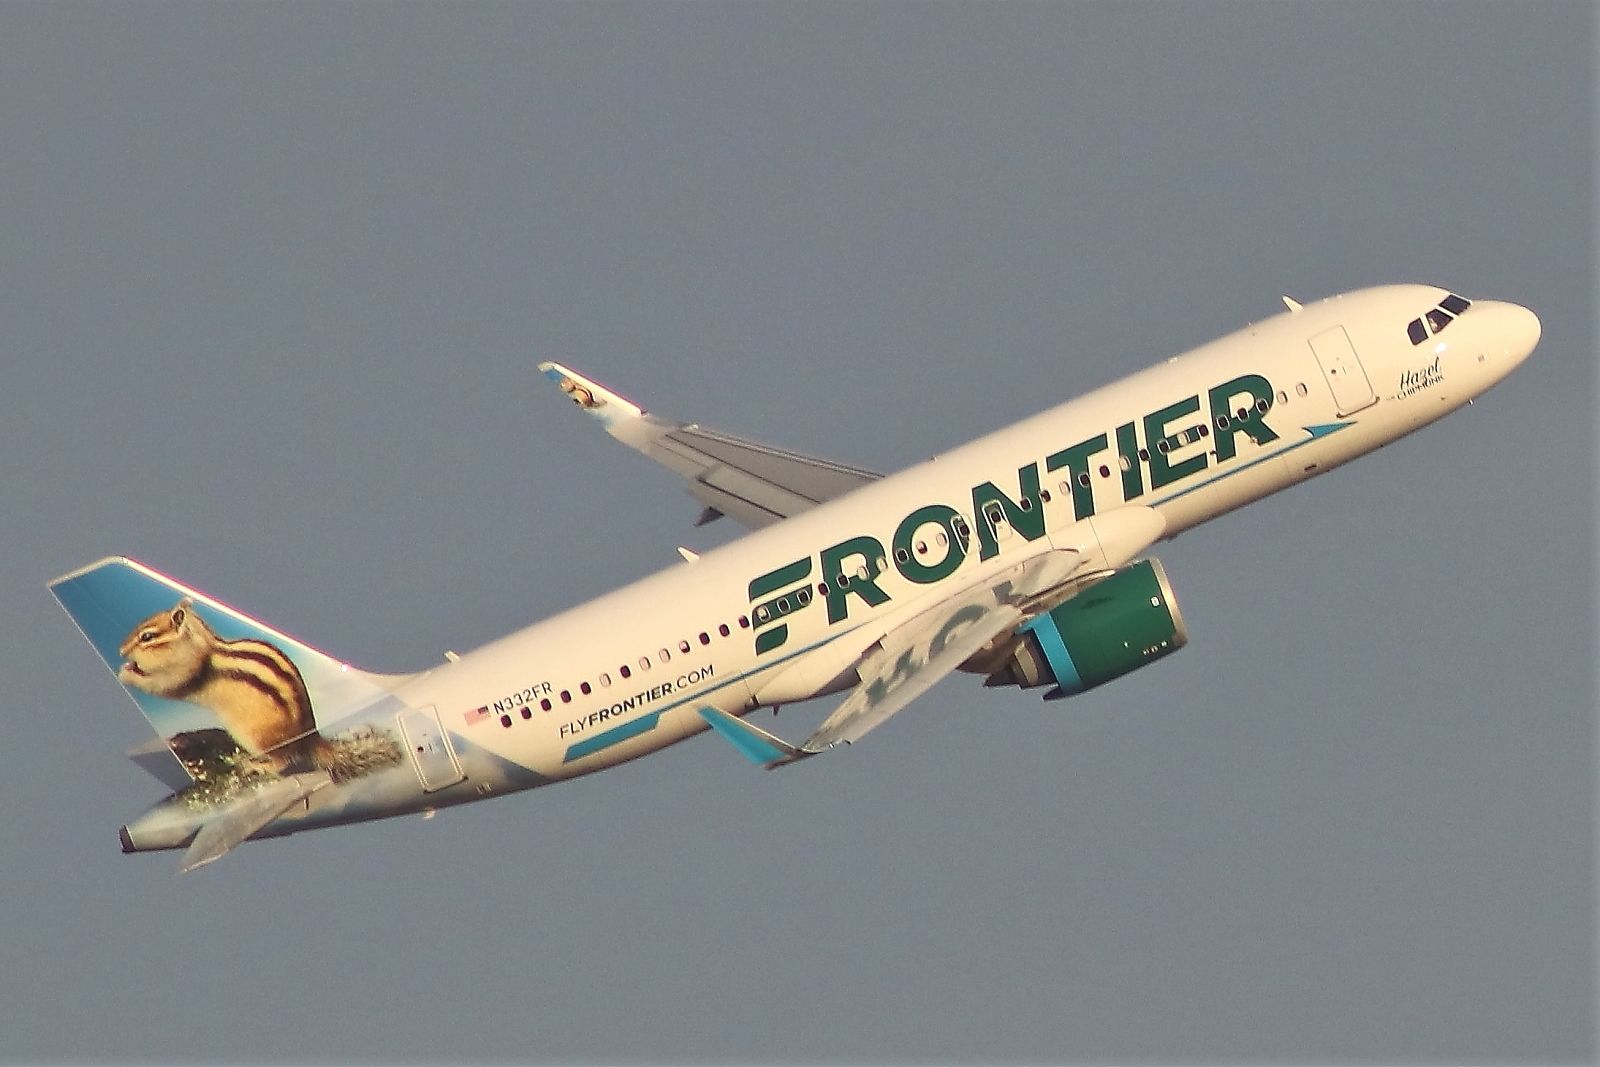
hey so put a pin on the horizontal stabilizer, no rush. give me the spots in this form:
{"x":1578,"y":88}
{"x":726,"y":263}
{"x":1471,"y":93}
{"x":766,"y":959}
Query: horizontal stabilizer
{"x":226,"y":832}
{"x":155,"y":757}
{"x":753,"y":743}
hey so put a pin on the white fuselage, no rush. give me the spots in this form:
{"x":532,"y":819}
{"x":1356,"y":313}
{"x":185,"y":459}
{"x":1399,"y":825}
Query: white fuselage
{"x":626,"y":674}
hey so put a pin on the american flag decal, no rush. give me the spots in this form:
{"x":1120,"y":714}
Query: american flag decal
{"x":476,"y":715}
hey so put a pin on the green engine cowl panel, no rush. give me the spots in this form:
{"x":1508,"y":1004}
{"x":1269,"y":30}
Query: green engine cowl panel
{"x":1113,"y":627}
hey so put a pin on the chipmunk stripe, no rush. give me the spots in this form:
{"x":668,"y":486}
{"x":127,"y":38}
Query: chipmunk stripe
{"x":270,"y":686}
{"x":267,"y":656}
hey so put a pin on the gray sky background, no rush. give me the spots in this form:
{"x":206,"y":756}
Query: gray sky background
{"x":273,"y":282}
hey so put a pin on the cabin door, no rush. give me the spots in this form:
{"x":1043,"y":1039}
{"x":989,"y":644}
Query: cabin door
{"x":430,"y":749}
{"x":1340,"y":365}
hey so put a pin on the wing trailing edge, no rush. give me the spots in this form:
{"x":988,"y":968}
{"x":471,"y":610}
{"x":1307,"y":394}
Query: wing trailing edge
{"x":753,"y":483}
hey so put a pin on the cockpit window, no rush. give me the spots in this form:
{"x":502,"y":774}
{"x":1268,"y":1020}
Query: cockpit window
{"x":1437,"y":319}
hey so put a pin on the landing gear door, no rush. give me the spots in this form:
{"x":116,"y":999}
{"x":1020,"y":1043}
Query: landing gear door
{"x":1341,"y":366}
{"x":430,"y":749}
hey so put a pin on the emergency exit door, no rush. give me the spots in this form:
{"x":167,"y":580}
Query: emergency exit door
{"x":1342,"y":368}
{"x":430,"y":749}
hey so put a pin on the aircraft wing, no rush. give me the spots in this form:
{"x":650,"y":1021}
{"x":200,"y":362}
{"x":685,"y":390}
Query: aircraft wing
{"x":974,"y":627}
{"x":916,"y":654}
{"x":912,"y":658}
{"x":753,"y":483}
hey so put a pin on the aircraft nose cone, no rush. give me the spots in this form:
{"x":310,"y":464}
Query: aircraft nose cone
{"x":1505,"y":335}
{"x":1528,"y":331}
{"x":1517,"y":331}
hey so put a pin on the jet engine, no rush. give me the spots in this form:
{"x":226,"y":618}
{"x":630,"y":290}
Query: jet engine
{"x":1115,"y":626}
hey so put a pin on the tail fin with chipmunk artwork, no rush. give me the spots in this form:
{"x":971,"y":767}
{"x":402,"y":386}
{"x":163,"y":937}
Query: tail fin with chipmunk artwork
{"x":217,"y":685}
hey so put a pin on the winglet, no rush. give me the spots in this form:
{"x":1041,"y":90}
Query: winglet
{"x":753,"y":743}
{"x":590,"y":395}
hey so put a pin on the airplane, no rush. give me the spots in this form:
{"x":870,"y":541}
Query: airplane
{"x":1021,"y":556}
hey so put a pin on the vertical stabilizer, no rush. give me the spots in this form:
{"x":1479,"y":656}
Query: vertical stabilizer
{"x":213,"y":682}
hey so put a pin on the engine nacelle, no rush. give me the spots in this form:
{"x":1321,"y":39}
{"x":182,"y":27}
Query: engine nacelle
{"x":1115,"y":626}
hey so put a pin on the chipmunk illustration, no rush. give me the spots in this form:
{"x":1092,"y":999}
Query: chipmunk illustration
{"x":251,"y":686}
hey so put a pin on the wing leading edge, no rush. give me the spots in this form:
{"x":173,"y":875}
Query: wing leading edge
{"x":754,"y":484}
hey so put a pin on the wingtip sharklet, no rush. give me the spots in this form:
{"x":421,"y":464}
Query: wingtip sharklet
{"x":603,"y":403}
{"x":752,"y":742}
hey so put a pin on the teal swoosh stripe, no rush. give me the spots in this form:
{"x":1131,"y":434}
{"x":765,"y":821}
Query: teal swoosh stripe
{"x":1322,"y":429}
{"x":614,"y":736}
{"x":647,"y":722}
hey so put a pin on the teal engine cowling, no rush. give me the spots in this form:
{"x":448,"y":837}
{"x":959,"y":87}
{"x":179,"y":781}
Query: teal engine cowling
{"x":1115,"y":626}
